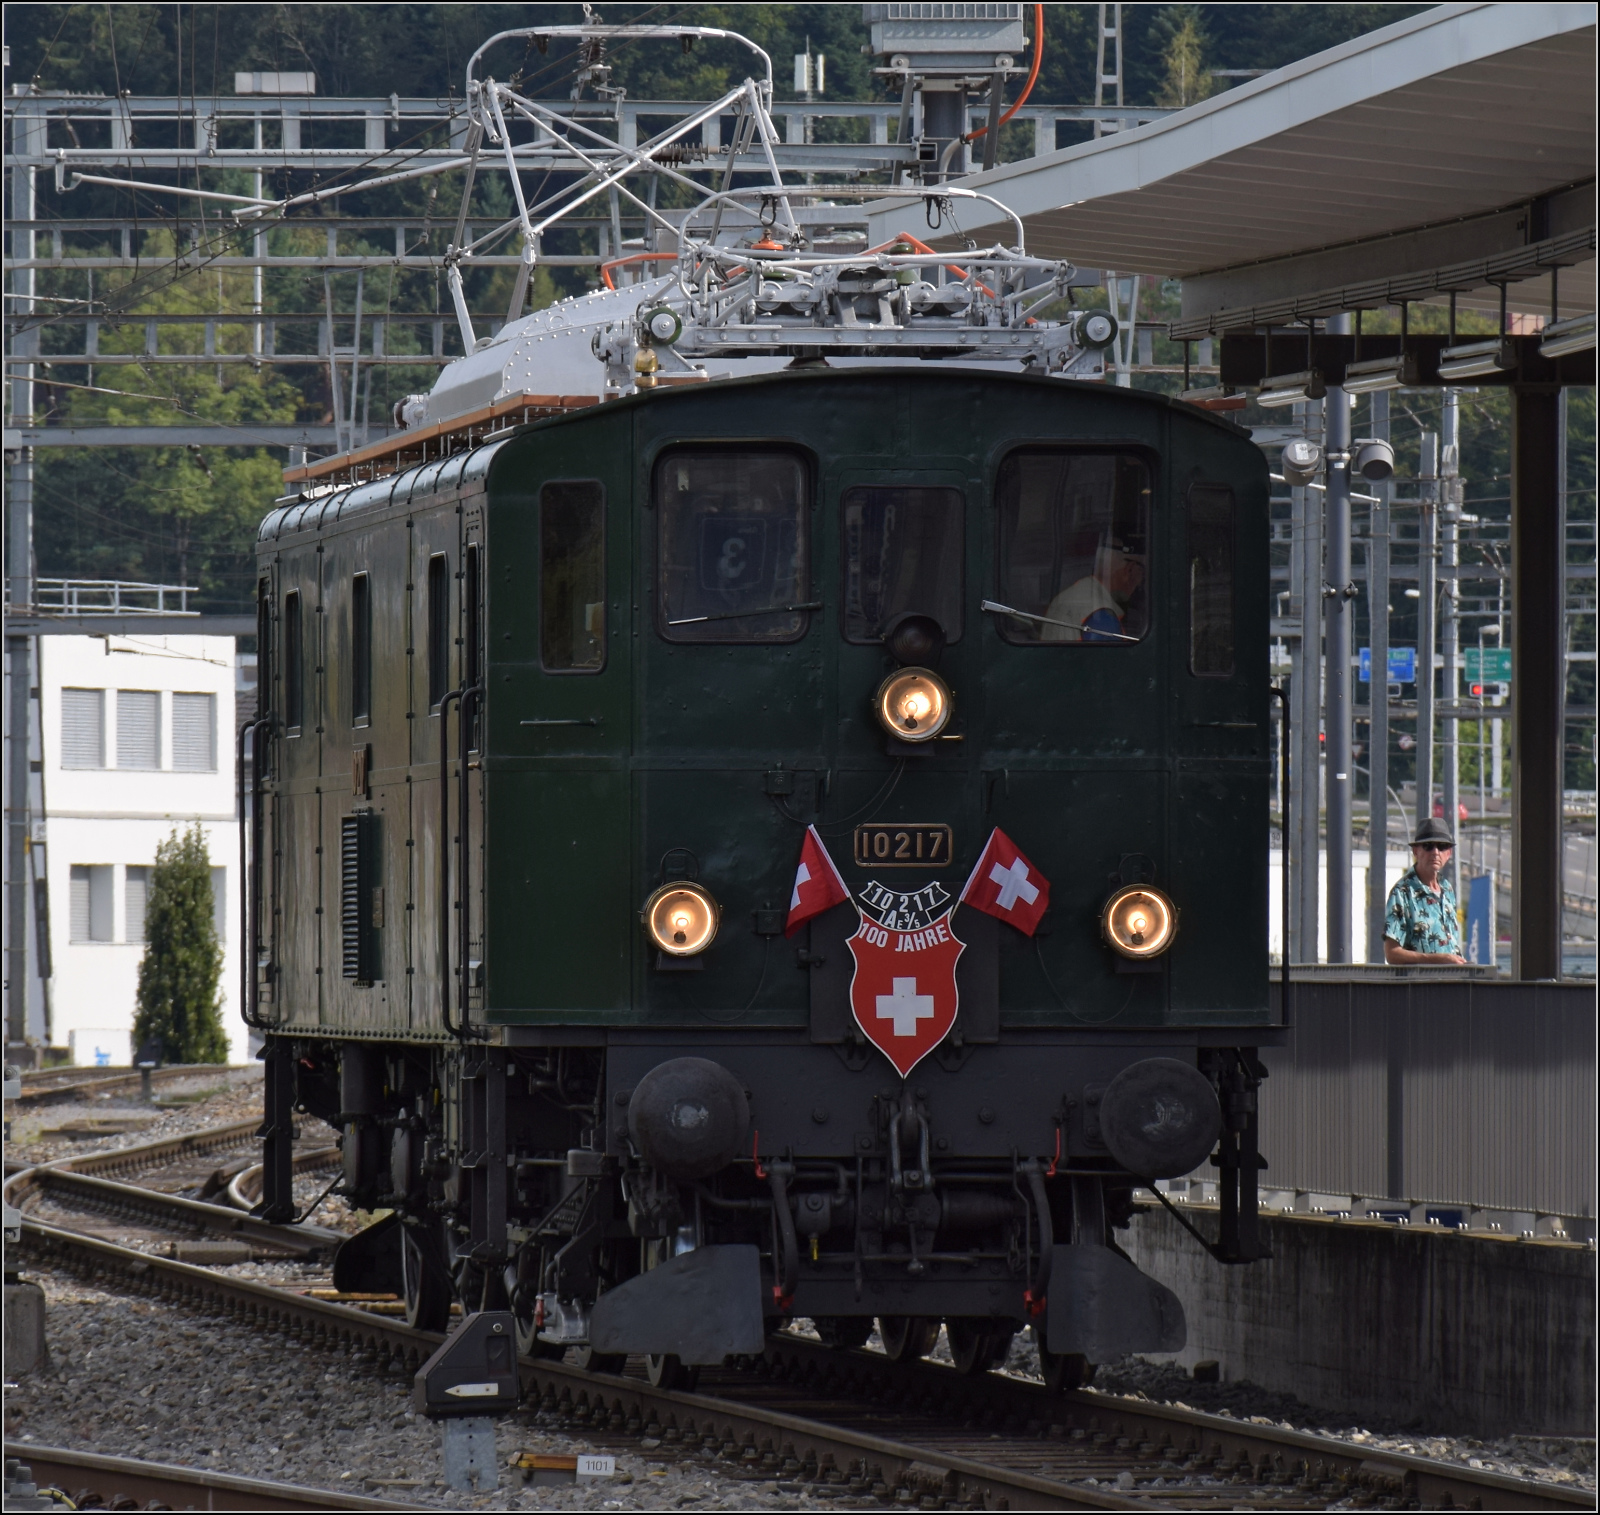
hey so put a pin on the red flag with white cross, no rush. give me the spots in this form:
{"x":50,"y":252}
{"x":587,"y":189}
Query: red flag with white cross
{"x":1006,"y":885}
{"x":817,"y":885}
{"x":904,"y":991}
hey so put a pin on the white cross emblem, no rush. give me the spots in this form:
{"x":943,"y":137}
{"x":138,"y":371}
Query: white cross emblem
{"x":802,"y":876}
{"x":1013,"y":881}
{"x":905,"y":1006}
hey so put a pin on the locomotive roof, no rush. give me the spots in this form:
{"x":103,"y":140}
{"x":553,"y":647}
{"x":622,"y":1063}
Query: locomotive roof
{"x":315,"y":511}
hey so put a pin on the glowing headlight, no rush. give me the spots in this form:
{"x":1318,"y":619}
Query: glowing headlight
{"x":681,"y":919}
{"x":913,"y":704}
{"x":1139,"y":921}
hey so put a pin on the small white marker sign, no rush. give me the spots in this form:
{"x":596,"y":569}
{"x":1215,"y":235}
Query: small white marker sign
{"x":597,"y":1467}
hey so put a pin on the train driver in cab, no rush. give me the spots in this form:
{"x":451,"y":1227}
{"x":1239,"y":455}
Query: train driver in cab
{"x":1093,"y":609}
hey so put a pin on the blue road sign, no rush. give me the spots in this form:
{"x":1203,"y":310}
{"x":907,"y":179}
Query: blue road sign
{"x":1402,"y":665}
{"x":1480,"y":919}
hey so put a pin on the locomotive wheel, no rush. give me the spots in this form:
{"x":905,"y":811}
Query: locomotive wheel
{"x":599,"y":1362}
{"x":666,"y":1370}
{"x":427,"y":1285}
{"x":977,"y":1345}
{"x":843,"y":1332}
{"x":1064,"y":1371}
{"x":907,"y":1337}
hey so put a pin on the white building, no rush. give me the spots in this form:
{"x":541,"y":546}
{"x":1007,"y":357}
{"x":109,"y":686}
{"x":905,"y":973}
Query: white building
{"x":138,"y":740}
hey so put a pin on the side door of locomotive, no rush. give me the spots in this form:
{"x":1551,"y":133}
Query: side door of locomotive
{"x":558,"y":909}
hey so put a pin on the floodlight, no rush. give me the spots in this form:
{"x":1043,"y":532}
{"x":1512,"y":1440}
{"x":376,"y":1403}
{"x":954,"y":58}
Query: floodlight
{"x":1561,"y":337}
{"x":1372,"y":458}
{"x":1380,"y":373}
{"x":1301,"y":459}
{"x":1291,"y":388}
{"x":1474,"y":358}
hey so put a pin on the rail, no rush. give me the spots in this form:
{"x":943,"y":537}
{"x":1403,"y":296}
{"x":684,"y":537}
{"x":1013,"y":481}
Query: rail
{"x":126,"y":1483}
{"x":1139,"y":1455}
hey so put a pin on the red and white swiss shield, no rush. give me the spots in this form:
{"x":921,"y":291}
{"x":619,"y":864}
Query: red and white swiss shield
{"x":904,"y":990}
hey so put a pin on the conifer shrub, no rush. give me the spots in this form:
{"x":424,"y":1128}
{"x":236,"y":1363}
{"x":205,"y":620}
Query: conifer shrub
{"x":179,"y":1004}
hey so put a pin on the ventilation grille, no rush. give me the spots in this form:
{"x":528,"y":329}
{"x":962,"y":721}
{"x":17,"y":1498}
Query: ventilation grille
{"x":358,"y":936}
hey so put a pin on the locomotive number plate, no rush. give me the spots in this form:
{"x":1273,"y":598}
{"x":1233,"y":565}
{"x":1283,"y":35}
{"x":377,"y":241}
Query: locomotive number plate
{"x":903,"y":846}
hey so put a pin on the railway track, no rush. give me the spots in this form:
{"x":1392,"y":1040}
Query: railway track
{"x":854,"y":1424}
{"x":158,"y":1485}
{"x":54,"y":1086}
{"x":94,"y":1187}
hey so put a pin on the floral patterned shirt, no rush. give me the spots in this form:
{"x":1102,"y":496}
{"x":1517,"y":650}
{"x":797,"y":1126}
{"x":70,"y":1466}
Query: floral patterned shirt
{"x":1420,"y":920}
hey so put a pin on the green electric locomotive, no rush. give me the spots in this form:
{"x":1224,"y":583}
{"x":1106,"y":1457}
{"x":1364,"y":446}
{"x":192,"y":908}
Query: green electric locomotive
{"x":770,"y":848}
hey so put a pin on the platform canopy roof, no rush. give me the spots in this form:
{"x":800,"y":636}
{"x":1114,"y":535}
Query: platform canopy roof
{"x":1453,"y":150}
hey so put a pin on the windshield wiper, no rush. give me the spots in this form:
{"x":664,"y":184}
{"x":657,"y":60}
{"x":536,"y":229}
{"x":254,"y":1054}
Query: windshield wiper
{"x":996,"y":608}
{"x":744,"y":615}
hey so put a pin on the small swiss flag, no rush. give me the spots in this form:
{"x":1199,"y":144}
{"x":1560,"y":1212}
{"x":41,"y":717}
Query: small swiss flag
{"x":1007,"y":885}
{"x":817,"y":885}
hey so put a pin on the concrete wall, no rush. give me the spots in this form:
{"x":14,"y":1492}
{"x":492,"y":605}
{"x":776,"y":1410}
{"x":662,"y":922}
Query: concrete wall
{"x":1455,"y":1333}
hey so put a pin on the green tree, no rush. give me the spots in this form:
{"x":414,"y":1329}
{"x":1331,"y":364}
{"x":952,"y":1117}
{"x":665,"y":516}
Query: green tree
{"x":1185,"y":79}
{"x":179,"y":976}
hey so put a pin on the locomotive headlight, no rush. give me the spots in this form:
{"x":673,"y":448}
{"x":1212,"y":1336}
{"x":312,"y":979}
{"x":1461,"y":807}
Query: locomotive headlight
{"x":913,"y":704}
{"x":681,"y":919}
{"x":1139,"y":921}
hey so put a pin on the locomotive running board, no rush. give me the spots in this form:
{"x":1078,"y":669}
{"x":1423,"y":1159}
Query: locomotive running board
{"x":1103,"y":1307}
{"x":700,"y":1307}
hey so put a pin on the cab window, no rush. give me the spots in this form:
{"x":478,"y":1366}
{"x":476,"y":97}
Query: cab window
{"x":1074,"y":547}
{"x":901,"y":552}
{"x":733,"y":558}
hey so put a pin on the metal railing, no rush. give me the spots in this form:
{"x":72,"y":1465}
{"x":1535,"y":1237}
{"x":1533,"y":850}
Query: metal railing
{"x":91,"y":597}
{"x":1426,"y":1098}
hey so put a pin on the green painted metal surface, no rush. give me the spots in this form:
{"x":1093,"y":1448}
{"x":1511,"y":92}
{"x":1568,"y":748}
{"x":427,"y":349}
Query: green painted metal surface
{"x":591,"y":787}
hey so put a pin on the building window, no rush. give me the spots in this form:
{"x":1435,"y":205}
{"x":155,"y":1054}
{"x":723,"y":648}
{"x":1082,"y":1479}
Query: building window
{"x":360,"y":650}
{"x":293,"y":666}
{"x":194,"y":733}
{"x":1211,"y":579}
{"x":572,"y":578}
{"x":219,"y":902}
{"x":83,"y":728}
{"x":438,"y":629}
{"x":138,"y":728}
{"x":89,"y":905}
{"x":135,"y":898}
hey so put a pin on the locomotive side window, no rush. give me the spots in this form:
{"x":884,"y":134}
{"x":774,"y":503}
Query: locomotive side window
{"x":438,"y":629}
{"x":1210,"y":540}
{"x":734,"y":565}
{"x":294,"y":700}
{"x":902,"y":552}
{"x":1074,"y":540}
{"x":572,"y":577}
{"x":360,"y":650}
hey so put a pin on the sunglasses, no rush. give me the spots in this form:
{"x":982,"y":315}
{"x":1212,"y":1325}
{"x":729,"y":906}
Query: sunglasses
{"x":1435,"y":846}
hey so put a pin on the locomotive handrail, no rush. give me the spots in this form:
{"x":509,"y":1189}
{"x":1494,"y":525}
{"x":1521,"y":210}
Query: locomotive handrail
{"x":467,"y":698}
{"x":451,"y":697}
{"x":250,"y":735}
{"x":1283,"y":814}
{"x":466,"y":719}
